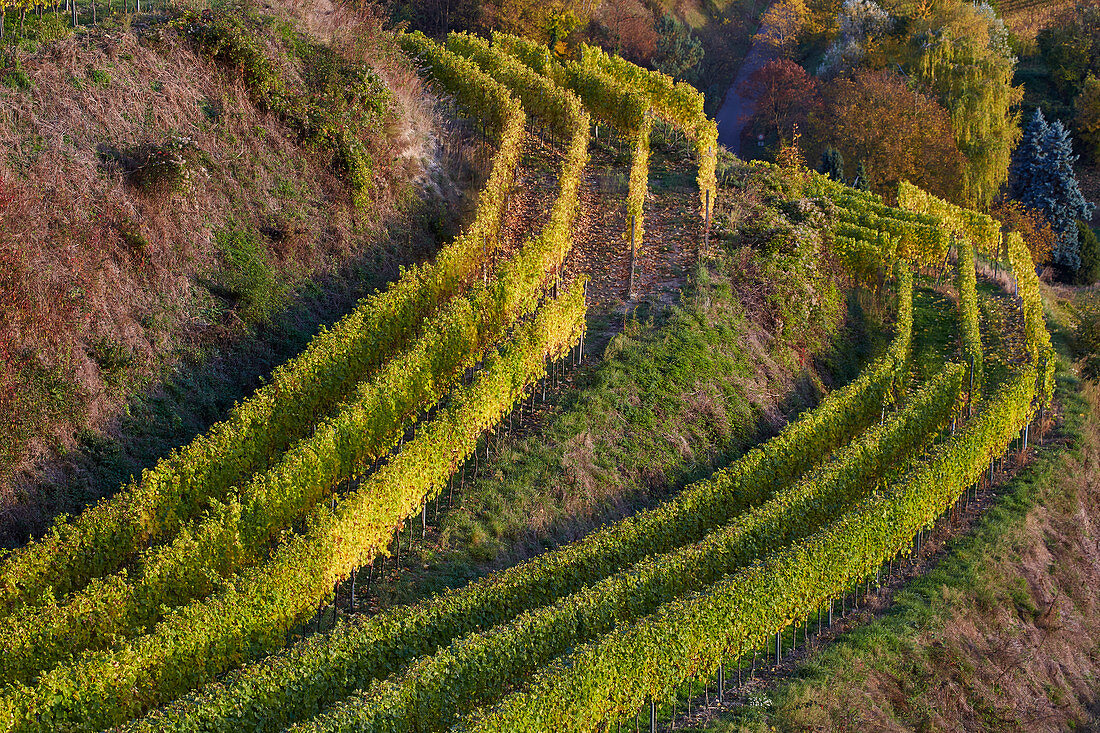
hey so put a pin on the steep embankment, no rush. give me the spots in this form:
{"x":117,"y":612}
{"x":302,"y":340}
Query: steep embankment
{"x":173,"y":224}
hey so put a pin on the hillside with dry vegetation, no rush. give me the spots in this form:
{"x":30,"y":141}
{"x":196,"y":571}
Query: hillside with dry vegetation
{"x":163,"y":221}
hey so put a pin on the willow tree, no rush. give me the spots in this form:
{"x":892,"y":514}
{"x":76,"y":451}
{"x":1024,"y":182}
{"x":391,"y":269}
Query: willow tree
{"x":960,"y":52}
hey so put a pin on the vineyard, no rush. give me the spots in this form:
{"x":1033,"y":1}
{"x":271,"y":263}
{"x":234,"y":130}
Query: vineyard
{"x":169,"y":606}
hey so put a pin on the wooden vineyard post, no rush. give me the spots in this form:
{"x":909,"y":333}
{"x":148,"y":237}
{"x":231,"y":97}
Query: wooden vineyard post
{"x":580,"y":356}
{"x":652,"y":716}
{"x":706,"y":227}
{"x":970,"y":393}
{"x":351,"y":602}
{"x":633,"y":261}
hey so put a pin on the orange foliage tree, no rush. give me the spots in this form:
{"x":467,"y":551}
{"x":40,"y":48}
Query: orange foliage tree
{"x":1032,"y":225}
{"x":898,"y":133}
{"x":630,"y":29}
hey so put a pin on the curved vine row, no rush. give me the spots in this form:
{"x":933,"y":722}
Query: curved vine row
{"x":256,"y":612}
{"x":608,"y":680}
{"x":154,"y":507}
{"x":474,"y":670}
{"x":297,"y":683}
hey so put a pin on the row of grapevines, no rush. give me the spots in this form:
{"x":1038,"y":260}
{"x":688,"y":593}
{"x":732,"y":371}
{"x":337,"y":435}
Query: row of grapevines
{"x":678,"y":103}
{"x":981,"y":229}
{"x":822,"y":186}
{"x":863,"y":251}
{"x":474,"y":670}
{"x":918,"y":240}
{"x":152,"y":508}
{"x":608,"y":680}
{"x":968,"y":312}
{"x":615,"y":102}
{"x":1036,"y":336}
{"x":611,"y":101}
{"x":860,"y":258}
{"x":918,"y":237}
{"x":296,"y":684}
{"x":639,"y":184}
{"x":985,"y":232}
{"x":235,"y":535}
{"x":540,"y":96}
{"x":494,"y":107}
{"x":255,"y":613}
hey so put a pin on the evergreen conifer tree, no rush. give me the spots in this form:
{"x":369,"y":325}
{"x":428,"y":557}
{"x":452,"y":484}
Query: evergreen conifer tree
{"x":1028,"y":154}
{"x":1051,"y":187}
{"x":862,"y":180}
{"x":832,"y":164}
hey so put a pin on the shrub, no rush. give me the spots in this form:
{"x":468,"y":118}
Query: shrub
{"x":12,"y":74}
{"x":247,"y":274}
{"x":1087,"y":107}
{"x":157,"y":168}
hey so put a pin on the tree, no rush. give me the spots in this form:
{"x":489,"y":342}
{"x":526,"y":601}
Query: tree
{"x":1027,"y":155}
{"x":874,"y":117}
{"x":862,"y":23}
{"x":1032,"y":226}
{"x":1048,"y":183}
{"x":547,"y":21}
{"x":630,"y":29}
{"x":679,"y":53}
{"x":961,"y":53}
{"x":1071,"y":49}
{"x":785,"y":97}
{"x":782,"y":24}
{"x":1090,"y":254}
{"x":1087,"y":107}
{"x":832,"y":164}
{"x":862,"y":181}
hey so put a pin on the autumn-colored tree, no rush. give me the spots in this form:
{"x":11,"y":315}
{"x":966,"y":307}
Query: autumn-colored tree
{"x":629,"y":28}
{"x":898,"y":133}
{"x":960,"y":52}
{"x":1038,"y":235}
{"x":1087,"y":120}
{"x":861,"y":25}
{"x":547,"y":21}
{"x":782,"y":24}
{"x":785,"y":96}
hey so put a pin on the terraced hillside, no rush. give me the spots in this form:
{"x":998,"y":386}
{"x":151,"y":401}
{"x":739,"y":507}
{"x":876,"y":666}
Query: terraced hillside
{"x":129,"y":615}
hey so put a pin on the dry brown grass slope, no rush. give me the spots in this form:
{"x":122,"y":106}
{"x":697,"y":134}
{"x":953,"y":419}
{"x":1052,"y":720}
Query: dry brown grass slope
{"x":112,"y":281}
